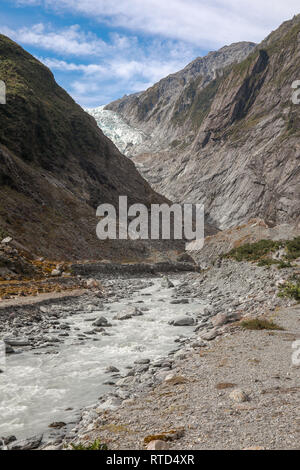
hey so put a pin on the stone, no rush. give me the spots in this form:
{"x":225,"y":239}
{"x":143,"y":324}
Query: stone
{"x":173,"y":379}
{"x":57,"y":425}
{"x":8,"y":440}
{"x":102,"y":321}
{"x":9,"y":349}
{"x":184,"y":321}
{"x":92,"y":284}
{"x":158,"y":445}
{"x":166,"y":283}
{"x":6,"y":241}
{"x":198,"y":344}
{"x":255,"y":448}
{"x":142,"y":361}
{"x":123,"y":316}
{"x":110,"y":404}
{"x":179,"y":301}
{"x":125,"y":382}
{"x":27,"y":444}
{"x":220,"y":319}
{"x":209,"y":335}
{"x":55,"y":273}
{"x":17,"y":342}
{"x":239,"y":396}
{"x":111,"y":370}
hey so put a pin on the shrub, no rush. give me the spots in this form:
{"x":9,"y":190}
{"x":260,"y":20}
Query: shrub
{"x":260,"y":250}
{"x":291,"y":289}
{"x":96,"y":445}
{"x":254,"y":251}
{"x":260,"y":324}
{"x":293,"y":248}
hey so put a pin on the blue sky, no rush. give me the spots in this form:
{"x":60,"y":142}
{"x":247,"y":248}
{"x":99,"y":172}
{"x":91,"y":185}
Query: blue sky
{"x":100,"y":50}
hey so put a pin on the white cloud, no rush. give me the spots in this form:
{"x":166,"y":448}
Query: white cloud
{"x":68,"y":41}
{"x":173,"y":33}
{"x":206,"y":23}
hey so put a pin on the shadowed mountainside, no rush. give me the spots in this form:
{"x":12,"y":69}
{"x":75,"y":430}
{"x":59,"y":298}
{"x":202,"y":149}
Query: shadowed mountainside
{"x":56,"y":165}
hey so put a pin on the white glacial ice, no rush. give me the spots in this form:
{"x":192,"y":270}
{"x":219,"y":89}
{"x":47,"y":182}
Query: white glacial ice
{"x":124,"y":136}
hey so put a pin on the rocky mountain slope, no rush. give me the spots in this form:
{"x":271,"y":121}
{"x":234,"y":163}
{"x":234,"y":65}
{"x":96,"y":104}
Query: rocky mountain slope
{"x":155,"y":111}
{"x":56,"y":166}
{"x":233,"y":140}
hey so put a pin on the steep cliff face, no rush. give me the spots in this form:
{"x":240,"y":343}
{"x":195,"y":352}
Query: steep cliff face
{"x":239,"y":150}
{"x":161,"y":110}
{"x":56,"y":165}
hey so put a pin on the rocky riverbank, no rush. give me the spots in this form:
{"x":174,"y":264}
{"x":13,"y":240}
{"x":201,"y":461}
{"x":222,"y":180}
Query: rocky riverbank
{"x":224,"y":294}
{"x":184,"y":400}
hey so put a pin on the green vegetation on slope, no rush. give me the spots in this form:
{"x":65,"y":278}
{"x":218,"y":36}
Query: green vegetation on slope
{"x":96,"y":445}
{"x":194,"y":104}
{"x":261,"y":250}
{"x":291,"y":289}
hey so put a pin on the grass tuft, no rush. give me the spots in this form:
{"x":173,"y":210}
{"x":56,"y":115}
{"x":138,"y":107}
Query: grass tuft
{"x":260,"y":324}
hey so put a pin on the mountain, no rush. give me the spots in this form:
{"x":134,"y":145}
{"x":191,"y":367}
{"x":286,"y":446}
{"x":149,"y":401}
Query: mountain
{"x":159,"y":110}
{"x":232,"y":143}
{"x":56,"y":166}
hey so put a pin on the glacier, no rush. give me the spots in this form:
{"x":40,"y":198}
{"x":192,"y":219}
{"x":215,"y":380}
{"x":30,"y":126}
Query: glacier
{"x":124,"y":136}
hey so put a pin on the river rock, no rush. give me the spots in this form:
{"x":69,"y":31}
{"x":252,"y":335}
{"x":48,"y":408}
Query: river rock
{"x":110,"y":404}
{"x":102,"y":321}
{"x":123,"y":316}
{"x":142,"y":361}
{"x":9,"y":349}
{"x":27,"y":444}
{"x":55,"y":273}
{"x":111,"y":370}
{"x":57,"y":425}
{"x":179,"y":301}
{"x":166,"y":283}
{"x":128,"y":314}
{"x":184,"y":321}
{"x":158,"y":445}
{"x":222,"y":319}
{"x":239,"y":396}
{"x":125,"y":382}
{"x":8,"y":440}
{"x":6,"y":241}
{"x":16,"y":342}
{"x":92,"y":284}
{"x":173,"y":379}
{"x":210,"y":335}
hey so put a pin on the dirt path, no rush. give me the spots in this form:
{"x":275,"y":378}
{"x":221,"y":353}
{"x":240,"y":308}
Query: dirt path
{"x":41,"y":298}
{"x":257,"y":362}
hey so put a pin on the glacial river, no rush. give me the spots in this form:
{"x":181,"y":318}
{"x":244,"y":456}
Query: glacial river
{"x":36,"y":390}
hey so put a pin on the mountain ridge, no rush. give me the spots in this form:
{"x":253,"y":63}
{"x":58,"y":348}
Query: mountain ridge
{"x":235,"y":144}
{"x":153,"y":110}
